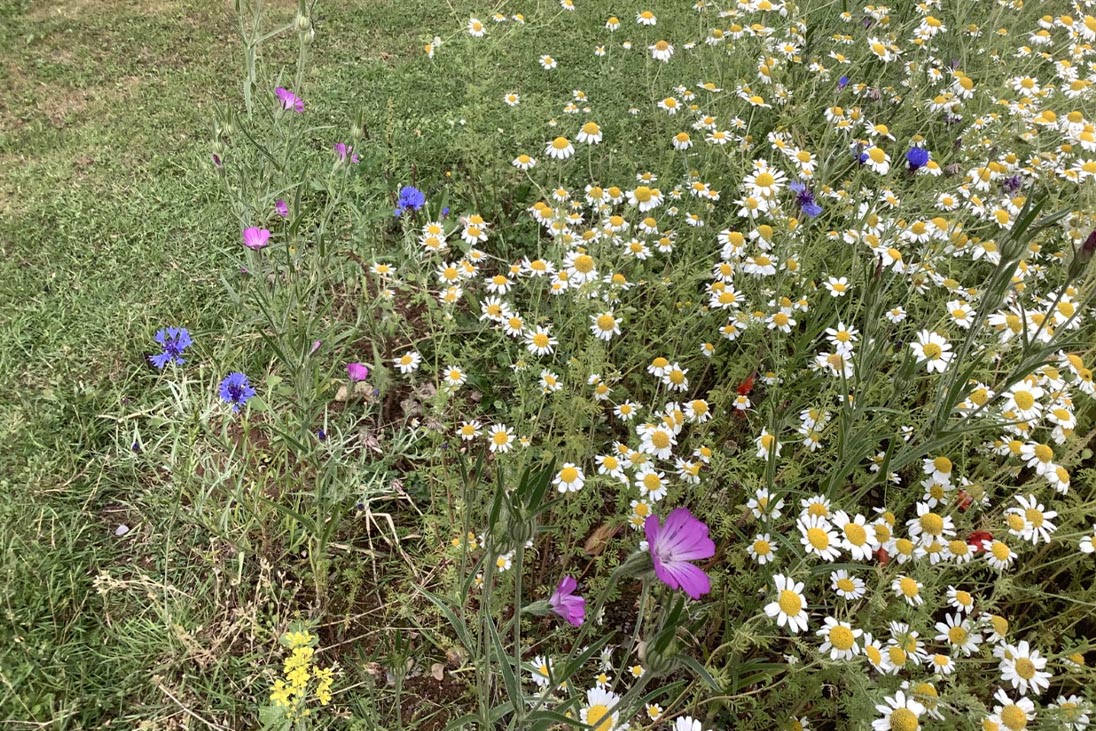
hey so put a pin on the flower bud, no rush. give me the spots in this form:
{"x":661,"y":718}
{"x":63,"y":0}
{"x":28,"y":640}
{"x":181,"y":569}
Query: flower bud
{"x":1083,"y":256}
{"x":304,"y":23}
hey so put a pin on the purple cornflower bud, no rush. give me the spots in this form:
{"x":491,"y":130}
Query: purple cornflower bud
{"x":256,"y":238}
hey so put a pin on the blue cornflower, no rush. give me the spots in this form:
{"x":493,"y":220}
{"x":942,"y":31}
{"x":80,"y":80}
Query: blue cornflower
{"x":917,"y":157}
{"x":805,"y":198}
{"x":842,"y":82}
{"x":173,"y":340}
{"x":410,"y":198}
{"x":236,"y":390}
{"x":1012,"y":184}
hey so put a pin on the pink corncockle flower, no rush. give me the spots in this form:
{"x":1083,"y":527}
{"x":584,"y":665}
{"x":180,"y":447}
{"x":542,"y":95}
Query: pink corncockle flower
{"x":256,"y":238}
{"x":681,"y":539}
{"x":342,"y":150}
{"x":289,"y":100}
{"x":567,"y":604}
{"x":357,"y":371}
{"x":281,"y":208}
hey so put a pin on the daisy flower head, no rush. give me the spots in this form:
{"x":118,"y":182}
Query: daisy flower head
{"x":1088,"y":542}
{"x":762,"y":549}
{"x":501,"y":438}
{"x":560,"y":148}
{"x":661,"y":51}
{"x":1031,"y":521}
{"x":1073,"y":710}
{"x":837,"y":286}
{"x":999,"y":555}
{"x":900,"y":713}
{"x":523,"y":162}
{"x":762,"y":505}
{"x":646,"y":17}
{"x":687,"y":723}
{"x":847,"y":587}
{"x":547,"y":62}
{"x":540,"y":671}
{"x":839,"y":639}
{"x":1023,"y":666}
{"x":876,"y":159}
{"x":675,"y":378}
{"x":569,"y":478}
{"x":767,"y":445}
{"x":857,"y":537}
{"x":1012,"y":715}
{"x":476,"y":28}
{"x":454,"y":377}
{"x":958,"y":633}
{"x":469,"y":430}
{"x":408,"y":362}
{"x":789,"y":607}
{"x":651,"y":483}
{"x":933,"y":350}
{"x":645,"y":198}
{"x":604,"y":326}
{"x":540,"y":341}
{"x":590,"y":133}
{"x":908,"y":588}
{"x":819,"y":538}
{"x":596,"y":712}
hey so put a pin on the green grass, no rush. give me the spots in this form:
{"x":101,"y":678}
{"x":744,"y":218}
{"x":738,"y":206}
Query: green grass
{"x":112,"y":224}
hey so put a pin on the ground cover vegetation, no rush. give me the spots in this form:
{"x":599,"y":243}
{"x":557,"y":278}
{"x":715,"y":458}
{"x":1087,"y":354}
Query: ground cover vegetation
{"x":549,"y":365}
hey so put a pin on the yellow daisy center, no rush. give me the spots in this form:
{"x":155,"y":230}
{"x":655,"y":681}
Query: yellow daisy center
{"x":842,"y":638}
{"x":818,"y":538}
{"x":790,"y":603}
{"x":856,"y":534}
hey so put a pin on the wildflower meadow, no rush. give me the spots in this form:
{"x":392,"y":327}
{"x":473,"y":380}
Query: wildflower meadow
{"x":567,"y":364}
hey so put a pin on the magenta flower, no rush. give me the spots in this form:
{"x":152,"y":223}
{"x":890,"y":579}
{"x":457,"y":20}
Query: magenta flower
{"x":681,"y":539}
{"x":289,"y":100}
{"x":256,"y":238}
{"x":342,"y":150}
{"x":281,"y":208}
{"x":357,"y":371}
{"x":566,"y":604}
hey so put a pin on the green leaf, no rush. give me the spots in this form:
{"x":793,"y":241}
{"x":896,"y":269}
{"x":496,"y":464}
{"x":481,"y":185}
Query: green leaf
{"x":513,"y":688}
{"x":699,"y":670}
{"x":470,"y":720}
{"x":458,"y":626}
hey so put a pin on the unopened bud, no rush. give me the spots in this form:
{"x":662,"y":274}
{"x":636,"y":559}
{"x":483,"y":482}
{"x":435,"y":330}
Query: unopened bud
{"x":1083,"y":256}
{"x":304,"y":23}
